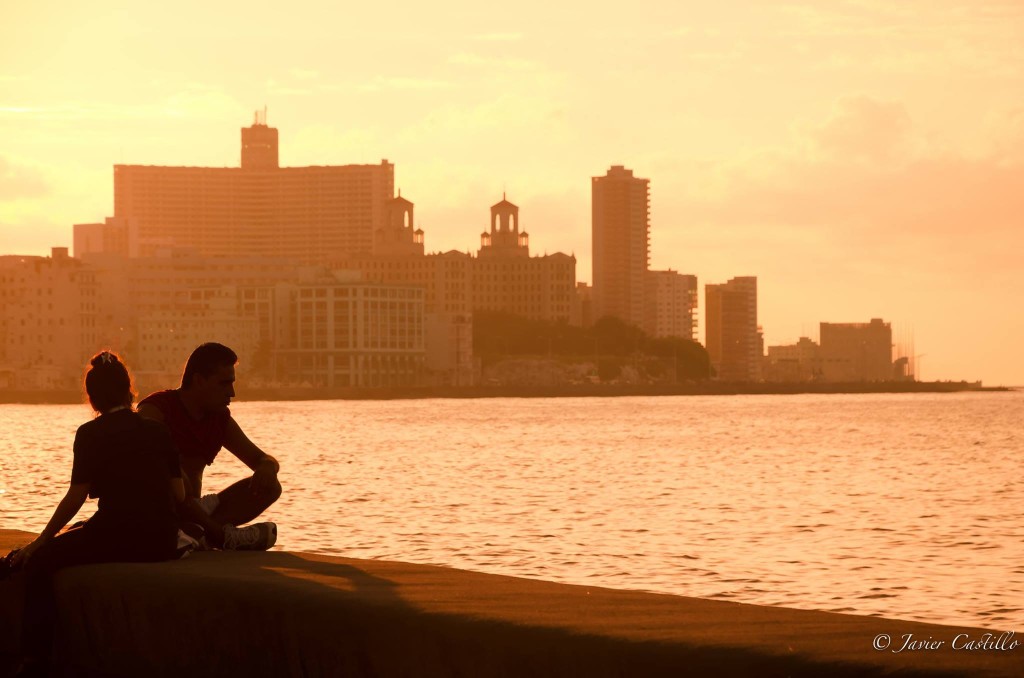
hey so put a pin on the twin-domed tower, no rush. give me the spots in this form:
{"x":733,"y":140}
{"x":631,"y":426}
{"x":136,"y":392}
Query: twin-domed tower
{"x":504,"y":238}
{"x":502,"y":277}
{"x":398,"y":236}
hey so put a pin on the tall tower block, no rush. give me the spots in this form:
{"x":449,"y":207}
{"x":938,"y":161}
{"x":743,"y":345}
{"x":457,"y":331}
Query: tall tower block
{"x":621,"y":244}
{"x":259,"y":144}
{"x":733,"y":339}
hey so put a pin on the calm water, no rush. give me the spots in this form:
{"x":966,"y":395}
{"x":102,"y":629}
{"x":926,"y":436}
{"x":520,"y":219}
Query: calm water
{"x":908,"y":506}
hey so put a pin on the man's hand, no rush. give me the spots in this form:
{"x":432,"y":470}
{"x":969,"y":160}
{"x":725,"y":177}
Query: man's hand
{"x":264,"y":478}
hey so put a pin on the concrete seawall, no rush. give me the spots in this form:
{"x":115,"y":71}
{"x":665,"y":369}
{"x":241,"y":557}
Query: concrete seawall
{"x":295,"y":614}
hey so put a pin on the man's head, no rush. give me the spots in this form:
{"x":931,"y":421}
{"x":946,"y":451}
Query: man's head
{"x":209,"y":376}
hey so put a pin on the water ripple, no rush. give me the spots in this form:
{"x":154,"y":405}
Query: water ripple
{"x":884,"y":505}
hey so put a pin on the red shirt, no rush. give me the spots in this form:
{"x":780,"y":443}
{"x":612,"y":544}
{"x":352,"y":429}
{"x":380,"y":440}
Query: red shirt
{"x":200,"y":438}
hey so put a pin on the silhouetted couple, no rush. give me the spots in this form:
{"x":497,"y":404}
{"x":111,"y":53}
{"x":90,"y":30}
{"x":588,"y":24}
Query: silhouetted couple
{"x":146,"y":469}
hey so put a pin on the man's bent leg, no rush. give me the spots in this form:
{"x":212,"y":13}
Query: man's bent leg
{"x":238,"y":504}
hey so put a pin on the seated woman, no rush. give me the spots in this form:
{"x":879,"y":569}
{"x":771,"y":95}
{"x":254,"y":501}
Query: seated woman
{"x":131,"y":465}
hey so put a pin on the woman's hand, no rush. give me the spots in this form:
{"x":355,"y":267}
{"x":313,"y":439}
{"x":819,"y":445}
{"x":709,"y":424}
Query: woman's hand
{"x":22,"y":557}
{"x":62,"y":515}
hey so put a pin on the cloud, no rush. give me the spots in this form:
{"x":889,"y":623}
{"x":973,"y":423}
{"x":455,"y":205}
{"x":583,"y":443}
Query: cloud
{"x":19,"y":182}
{"x":190,"y":100}
{"x":909,"y":38}
{"x":201,"y":101}
{"x":867,"y":183}
{"x":864,"y":129}
{"x":692,"y":31}
{"x":498,"y":37}
{"x":324,"y":144}
{"x":277,"y":89}
{"x":506,"y":63}
{"x":383,"y":83}
{"x":32,"y":235}
{"x":304,"y":74}
{"x":1006,"y":131}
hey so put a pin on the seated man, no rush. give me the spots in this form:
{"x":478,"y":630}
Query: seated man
{"x":200,"y":422}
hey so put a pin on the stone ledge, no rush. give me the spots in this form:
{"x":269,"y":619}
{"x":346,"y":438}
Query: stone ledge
{"x":296,"y":614}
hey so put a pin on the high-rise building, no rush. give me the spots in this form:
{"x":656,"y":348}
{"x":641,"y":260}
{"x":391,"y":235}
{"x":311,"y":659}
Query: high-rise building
{"x":259,"y":145}
{"x":671,"y":304}
{"x":305,"y":214}
{"x":733,"y":339}
{"x":110,"y":237}
{"x":857,"y":351}
{"x":48,"y":328}
{"x":621,"y":244}
{"x":583,"y":306}
{"x":793,"y":362}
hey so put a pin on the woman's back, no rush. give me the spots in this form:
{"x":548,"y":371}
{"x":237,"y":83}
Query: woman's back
{"x":131,"y":465}
{"x":128,"y":462}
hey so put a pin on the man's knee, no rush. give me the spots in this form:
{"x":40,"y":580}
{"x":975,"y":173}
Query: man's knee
{"x":269,"y":494}
{"x":274,"y":492}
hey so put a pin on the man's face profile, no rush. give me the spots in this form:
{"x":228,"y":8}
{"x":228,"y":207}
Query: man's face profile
{"x":216,"y":390}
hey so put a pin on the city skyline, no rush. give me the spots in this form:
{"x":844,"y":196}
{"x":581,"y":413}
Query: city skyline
{"x":862,"y":161}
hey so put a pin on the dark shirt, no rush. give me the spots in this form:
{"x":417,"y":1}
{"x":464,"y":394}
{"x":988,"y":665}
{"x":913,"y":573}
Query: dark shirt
{"x":128,"y":463}
{"x":194,"y":438}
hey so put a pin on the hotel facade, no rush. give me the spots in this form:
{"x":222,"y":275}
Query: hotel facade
{"x":305,"y":214}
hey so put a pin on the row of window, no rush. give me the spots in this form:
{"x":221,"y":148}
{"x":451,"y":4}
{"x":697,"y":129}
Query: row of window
{"x":365,"y":292}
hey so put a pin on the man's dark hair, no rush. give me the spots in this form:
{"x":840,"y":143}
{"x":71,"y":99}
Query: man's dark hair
{"x":207,"y":359}
{"x":107,"y":383}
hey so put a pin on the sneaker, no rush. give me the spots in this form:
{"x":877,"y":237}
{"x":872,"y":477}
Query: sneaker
{"x":255,"y":537}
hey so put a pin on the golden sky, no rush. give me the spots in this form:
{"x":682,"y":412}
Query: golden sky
{"x":863,"y":158}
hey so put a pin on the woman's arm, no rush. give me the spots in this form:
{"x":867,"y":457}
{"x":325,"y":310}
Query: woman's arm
{"x":62,"y":515}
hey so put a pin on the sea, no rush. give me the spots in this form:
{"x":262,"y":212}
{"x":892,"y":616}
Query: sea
{"x":907,"y":506}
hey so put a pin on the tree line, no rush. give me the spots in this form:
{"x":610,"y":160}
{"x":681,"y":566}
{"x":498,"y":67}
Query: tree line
{"x":610,"y":343}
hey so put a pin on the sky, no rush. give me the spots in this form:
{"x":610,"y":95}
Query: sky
{"x":862,"y":158}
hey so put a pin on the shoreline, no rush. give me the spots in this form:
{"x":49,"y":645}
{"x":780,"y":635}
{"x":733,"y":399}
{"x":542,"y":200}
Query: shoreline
{"x":281,"y":613}
{"x":285,"y":394}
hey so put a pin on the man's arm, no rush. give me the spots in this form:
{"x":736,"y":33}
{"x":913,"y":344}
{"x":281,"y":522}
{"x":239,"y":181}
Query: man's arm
{"x":264,"y":467}
{"x":186,"y":498}
{"x":151,"y":412}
